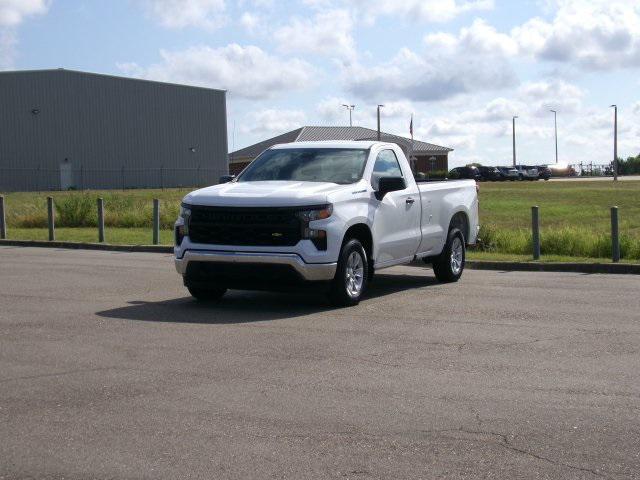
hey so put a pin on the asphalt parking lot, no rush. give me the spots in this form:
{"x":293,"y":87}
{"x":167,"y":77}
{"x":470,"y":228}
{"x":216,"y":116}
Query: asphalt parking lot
{"x":109,"y":370}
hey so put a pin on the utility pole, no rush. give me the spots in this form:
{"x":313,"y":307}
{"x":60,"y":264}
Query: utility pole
{"x":615,"y":143}
{"x":350,"y":108}
{"x":555,"y":123}
{"x":514,"y":139}
{"x":379,"y":107}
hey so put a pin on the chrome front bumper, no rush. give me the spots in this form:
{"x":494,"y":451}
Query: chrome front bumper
{"x":308,"y":271}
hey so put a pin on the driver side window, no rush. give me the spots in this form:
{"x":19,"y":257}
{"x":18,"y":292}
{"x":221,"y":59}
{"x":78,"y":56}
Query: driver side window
{"x":386,"y":166}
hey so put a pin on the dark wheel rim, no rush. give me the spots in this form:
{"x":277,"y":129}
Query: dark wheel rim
{"x":354,"y":274}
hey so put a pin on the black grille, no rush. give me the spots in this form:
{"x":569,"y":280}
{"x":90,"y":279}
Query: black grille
{"x":278,"y":227}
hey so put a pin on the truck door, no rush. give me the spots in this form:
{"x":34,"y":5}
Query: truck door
{"x":396,"y":225}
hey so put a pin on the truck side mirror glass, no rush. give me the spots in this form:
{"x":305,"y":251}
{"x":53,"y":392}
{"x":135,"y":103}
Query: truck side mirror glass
{"x":226,"y":178}
{"x":389,"y":184}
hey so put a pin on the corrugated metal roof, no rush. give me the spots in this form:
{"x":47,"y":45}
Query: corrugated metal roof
{"x":256,"y":149}
{"x":315,"y":133}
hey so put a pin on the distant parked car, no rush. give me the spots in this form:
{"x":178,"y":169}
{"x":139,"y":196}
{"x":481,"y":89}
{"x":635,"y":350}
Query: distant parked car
{"x":544,"y":172}
{"x":469,"y":172}
{"x":509,"y":173}
{"x":527,"y":172}
{"x":562,"y":170}
{"x":491,"y":174}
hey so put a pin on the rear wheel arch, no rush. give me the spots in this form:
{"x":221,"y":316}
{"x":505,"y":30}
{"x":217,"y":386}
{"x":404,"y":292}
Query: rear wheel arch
{"x":460,"y":220}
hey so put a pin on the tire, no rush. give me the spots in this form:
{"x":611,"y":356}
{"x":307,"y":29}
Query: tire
{"x":352,"y":274}
{"x":206,"y":294}
{"x":449,"y":265}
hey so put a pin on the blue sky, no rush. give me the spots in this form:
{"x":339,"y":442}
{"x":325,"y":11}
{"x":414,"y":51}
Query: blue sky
{"x":463,"y":68}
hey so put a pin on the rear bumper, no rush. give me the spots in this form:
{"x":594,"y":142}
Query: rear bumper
{"x":306,"y":271}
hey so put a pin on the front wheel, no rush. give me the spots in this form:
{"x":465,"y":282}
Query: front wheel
{"x":351,"y":276}
{"x":449,"y":265}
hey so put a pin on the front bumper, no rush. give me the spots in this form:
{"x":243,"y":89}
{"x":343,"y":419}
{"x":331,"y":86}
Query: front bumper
{"x":307,"y":271}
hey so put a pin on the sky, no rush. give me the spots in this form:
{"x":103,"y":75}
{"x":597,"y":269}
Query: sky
{"x":462,"y":68}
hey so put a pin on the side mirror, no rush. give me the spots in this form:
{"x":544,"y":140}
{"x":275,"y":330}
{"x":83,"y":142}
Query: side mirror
{"x":226,"y":178}
{"x":389,"y":184}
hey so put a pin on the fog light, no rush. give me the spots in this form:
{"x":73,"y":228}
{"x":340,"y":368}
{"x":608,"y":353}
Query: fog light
{"x":317,"y":237}
{"x":312,"y":233}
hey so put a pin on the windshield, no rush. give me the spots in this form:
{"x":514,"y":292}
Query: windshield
{"x":334,"y":165}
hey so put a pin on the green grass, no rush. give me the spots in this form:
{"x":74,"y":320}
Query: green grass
{"x":574,"y":216}
{"x":510,"y":257}
{"x":126,"y":209}
{"x":122,"y":236}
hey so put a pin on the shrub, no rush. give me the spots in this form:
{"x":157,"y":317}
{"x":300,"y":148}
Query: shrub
{"x":76,"y":211}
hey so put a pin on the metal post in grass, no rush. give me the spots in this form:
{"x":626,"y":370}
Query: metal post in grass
{"x":100,"y":220}
{"x":535,"y":230}
{"x":615,"y":236}
{"x":51,"y":219}
{"x":3,"y":225}
{"x":156,"y":221}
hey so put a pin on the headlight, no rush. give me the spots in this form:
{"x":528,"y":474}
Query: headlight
{"x":318,"y":237}
{"x":319,"y":213}
{"x":183,"y":230}
{"x":185,"y":212}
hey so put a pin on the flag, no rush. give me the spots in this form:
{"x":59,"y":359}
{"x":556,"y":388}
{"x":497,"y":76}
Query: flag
{"x":411,"y":127}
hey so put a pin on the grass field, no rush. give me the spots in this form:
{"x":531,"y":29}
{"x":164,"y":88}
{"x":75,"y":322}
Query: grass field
{"x":575,"y":221}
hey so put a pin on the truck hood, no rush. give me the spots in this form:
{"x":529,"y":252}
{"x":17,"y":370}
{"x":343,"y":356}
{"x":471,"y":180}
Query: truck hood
{"x":264,"y":194}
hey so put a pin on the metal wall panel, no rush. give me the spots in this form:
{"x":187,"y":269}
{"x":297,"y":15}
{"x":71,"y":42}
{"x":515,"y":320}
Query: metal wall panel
{"x":115,"y":132}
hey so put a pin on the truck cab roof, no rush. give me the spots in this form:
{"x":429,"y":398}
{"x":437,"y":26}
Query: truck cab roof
{"x":360,"y":144}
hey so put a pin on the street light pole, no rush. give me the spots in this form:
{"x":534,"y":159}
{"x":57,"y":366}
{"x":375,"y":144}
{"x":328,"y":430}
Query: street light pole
{"x":350,"y":108}
{"x":379,"y":107}
{"x":555,"y":123}
{"x":615,"y":142}
{"x":514,"y":139}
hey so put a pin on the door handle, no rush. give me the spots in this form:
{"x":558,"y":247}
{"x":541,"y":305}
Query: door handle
{"x":410,"y":200}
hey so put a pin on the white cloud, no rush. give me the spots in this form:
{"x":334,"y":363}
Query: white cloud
{"x":247,"y":72}
{"x":8,"y":43}
{"x":433,"y":75}
{"x":208,"y":14}
{"x":555,"y":94}
{"x":328,"y":33}
{"x":592,"y":34}
{"x":636,"y":108}
{"x":13,"y":12}
{"x":249,"y":21}
{"x":480,"y":37}
{"x":421,"y":10}
{"x":269,"y":122}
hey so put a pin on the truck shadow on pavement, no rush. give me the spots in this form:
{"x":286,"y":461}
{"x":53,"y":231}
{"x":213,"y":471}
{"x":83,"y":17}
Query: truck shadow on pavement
{"x":255,"y":306}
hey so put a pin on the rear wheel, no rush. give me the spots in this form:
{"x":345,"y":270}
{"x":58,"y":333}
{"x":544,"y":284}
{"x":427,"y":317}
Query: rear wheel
{"x":207,"y":294}
{"x":449,"y":265}
{"x":351,"y":276}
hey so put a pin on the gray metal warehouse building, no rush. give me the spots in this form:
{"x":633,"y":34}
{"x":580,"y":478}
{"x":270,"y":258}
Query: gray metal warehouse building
{"x":62,"y":129}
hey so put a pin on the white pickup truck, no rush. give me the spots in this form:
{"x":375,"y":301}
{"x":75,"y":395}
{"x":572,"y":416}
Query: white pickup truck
{"x":325,"y":212}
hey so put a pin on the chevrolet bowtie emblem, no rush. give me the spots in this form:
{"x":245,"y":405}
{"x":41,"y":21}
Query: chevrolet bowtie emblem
{"x":276,"y":234}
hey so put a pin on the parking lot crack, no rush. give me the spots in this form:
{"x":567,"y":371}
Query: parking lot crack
{"x":505,"y":443}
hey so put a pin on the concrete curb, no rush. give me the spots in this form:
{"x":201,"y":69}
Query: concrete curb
{"x":88,"y":246}
{"x":619,"y":268}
